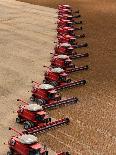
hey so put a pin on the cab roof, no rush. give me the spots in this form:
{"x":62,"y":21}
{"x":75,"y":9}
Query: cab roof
{"x":34,"y":107}
{"x":62,"y":56}
{"x":27,"y":139}
{"x":65,"y":44}
{"x":46,"y":86}
{"x":57,"y":70}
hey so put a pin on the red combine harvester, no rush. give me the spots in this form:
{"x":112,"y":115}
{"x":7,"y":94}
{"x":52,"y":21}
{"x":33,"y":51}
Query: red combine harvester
{"x":68,"y":49}
{"x":68,"y":17}
{"x":27,"y":144}
{"x":47,"y":96}
{"x":67,"y":30}
{"x":64,"y":7}
{"x":66,"y":11}
{"x":69,"y":39}
{"x":35,"y":119}
{"x":67,"y":23}
{"x":64,"y":62}
{"x":59,"y":79}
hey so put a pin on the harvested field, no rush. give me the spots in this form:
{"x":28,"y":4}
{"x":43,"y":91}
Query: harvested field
{"x":92,"y":130}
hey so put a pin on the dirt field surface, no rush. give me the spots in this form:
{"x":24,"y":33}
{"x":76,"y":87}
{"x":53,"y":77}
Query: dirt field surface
{"x":26,"y":38}
{"x":25,"y":43}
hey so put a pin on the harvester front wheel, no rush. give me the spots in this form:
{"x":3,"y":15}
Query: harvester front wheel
{"x":41,"y":101}
{"x":27,"y":125}
{"x":32,"y":98}
{"x":44,"y":81}
{"x":54,"y":83}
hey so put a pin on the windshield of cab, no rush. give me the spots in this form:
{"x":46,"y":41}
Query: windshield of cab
{"x":51,"y":95}
{"x":62,"y":78}
{"x":40,"y":117}
{"x":34,"y":152}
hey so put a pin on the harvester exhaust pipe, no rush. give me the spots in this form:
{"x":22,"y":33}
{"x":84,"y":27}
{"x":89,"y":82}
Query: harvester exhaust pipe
{"x":22,"y":101}
{"x":46,"y":66}
{"x":35,"y":82}
{"x":15,"y":130}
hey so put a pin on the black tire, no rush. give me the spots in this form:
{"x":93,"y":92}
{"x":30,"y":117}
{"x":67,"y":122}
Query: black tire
{"x":18,"y":120}
{"x":27,"y":125}
{"x":44,"y":81}
{"x":54,"y":83}
{"x":32,"y":98}
{"x":41,"y":101}
{"x":9,"y":153}
{"x":68,"y":80}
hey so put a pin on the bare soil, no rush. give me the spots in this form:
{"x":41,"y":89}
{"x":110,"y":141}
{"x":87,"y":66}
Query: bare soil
{"x":92,"y":130}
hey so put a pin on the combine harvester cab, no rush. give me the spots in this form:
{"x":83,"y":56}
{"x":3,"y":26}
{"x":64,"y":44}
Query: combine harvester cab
{"x":59,"y":79}
{"x":36,"y":120}
{"x":68,"y":49}
{"x":64,"y":62}
{"x":47,"y":96}
{"x":27,"y":144}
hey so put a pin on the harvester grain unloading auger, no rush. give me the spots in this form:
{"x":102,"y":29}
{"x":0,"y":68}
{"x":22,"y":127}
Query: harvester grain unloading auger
{"x":47,"y":126}
{"x":27,"y":144}
{"x":55,"y":104}
{"x":47,"y":96}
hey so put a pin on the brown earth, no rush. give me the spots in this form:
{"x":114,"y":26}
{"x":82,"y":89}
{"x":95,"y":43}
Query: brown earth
{"x":92,"y":130}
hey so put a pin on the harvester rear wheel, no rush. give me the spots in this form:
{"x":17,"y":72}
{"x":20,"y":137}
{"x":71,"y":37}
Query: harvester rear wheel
{"x":68,"y":80}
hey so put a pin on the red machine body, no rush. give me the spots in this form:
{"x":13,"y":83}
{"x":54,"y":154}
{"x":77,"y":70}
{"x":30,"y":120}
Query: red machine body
{"x":24,"y":144}
{"x":32,"y":115}
{"x":44,"y":94}
{"x":67,"y":38}
{"x":65,"y":30}
{"x":56,"y":76}
{"x":62,"y":61}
